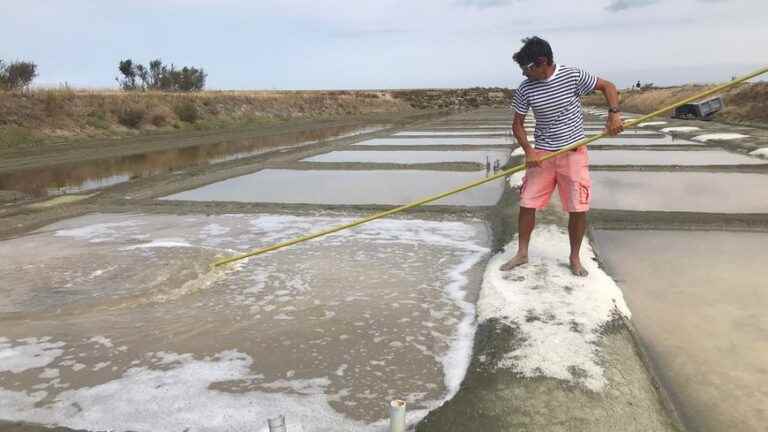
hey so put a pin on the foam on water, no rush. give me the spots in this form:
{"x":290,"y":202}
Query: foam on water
{"x":276,"y":228}
{"x":148,"y":397}
{"x":652,"y":123}
{"x":97,"y":233}
{"x":214,"y":229}
{"x":181,"y":398}
{"x":160,"y":243}
{"x":29,"y":353}
{"x":102,"y":340}
{"x":559,"y":316}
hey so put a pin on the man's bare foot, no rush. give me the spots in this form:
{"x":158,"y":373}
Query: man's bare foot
{"x":516,"y":261}
{"x":577,"y":269}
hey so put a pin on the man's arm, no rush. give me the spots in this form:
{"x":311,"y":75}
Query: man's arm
{"x":521,"y":135}
{"x":613,"y":124}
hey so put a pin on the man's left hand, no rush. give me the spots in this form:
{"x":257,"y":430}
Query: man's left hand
{"x":614,"y":125}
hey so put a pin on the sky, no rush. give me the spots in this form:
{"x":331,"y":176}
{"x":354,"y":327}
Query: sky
{"x":360,"y":44}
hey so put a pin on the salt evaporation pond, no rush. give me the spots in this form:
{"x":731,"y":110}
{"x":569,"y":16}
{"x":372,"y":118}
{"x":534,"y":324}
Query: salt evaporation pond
{"x":418,"y":141}
{"x":94,"y":174}
{"x":347,"y":187}
{"x":680,"y":191}
{"x":698,"y":300}
{"x":411,"y":157}
{"x":107,"y":324}
{"x":644,"y":141}
{"x":660,"y":157}
{"x":453,"y":132}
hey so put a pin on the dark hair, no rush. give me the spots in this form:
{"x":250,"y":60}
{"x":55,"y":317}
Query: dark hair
{"x":533,"y":48}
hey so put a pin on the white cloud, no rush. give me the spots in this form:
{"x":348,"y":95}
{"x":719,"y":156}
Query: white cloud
{"x":483,"y":4}
{"x":620,"y":5}
{"x":342,"y":44}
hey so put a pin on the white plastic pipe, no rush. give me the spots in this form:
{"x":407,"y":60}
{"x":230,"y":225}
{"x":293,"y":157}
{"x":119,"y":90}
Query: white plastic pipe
{"x":277,"y":424}
{"x":397,"y":416}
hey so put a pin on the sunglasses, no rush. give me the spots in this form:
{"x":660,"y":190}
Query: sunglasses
{"x":527,"y":68}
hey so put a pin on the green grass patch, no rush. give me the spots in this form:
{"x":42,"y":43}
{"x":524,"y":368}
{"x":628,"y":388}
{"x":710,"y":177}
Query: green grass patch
{"x":15,"y":136}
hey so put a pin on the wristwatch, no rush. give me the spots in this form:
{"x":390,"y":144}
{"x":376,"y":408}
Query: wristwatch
{"x":614,"y":110}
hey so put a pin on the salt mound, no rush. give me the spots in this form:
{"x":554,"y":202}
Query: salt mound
{"x":559,"y":316}
{"x":719,"y":136}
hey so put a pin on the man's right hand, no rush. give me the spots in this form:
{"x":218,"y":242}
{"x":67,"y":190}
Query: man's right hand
{"x":532,"y":159}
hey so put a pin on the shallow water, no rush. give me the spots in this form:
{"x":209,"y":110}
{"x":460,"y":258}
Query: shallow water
{"x":347,"y":187}
{"x":412,"y":157}
{"x":658,"y":157}
{"x":683,"y":191}
{"x":507,"y":140}
{"x":638,"y":132}
{"x":439,"y":126}
{"x":472,"y":132}
{"x":309,"y":332}
{"x":94,"y":174}
{"x":466,"y":132}
{"x":645,"y":141}
{"x":698,"y":300}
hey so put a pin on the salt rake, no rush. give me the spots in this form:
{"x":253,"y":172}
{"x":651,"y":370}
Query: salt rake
{"x":628,"y":124}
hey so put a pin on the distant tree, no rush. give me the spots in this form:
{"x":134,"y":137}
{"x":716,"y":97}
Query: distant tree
{"x":17,"y":75}
{"x":130,"y":73}
{"x":190,"y":79}
{"x":160,"y":77}
{"x":155,"y":74}
{"x":143,"y":74}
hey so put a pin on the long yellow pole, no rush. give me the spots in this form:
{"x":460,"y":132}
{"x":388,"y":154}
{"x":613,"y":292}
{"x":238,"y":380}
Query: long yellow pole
{"x":517,"y":168}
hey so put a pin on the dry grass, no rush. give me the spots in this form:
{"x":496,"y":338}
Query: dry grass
{"x":747,"y":103}
{"x":46,"y":114}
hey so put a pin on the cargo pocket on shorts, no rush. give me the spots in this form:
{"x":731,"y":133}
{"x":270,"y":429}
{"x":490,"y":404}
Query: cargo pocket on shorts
{"x":524,"y":182}
{"x":583,"y":191}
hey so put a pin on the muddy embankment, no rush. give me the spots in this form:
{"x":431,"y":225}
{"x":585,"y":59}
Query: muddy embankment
{"x":41,"y":117}
{"x":747,"y":104}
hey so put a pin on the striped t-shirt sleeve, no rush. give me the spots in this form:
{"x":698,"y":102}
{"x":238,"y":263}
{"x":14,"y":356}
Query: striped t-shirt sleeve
{"x":520,"y":101}
{"x":586,"y":83}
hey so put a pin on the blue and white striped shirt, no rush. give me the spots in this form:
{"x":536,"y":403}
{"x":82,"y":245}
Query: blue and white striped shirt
{"x":556,"y":106}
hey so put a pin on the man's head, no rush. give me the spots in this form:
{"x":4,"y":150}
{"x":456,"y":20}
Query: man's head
{"x":535,"y":58}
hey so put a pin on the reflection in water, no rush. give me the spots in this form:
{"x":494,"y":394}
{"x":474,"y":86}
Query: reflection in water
{"x":94,"y":174}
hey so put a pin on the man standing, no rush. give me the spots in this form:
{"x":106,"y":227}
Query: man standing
{"x":554,"y":93}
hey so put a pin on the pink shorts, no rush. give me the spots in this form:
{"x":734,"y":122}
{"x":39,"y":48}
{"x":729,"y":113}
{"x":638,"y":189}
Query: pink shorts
{"x":569,"y":172}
